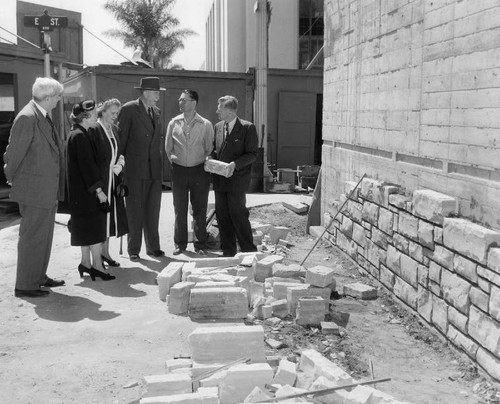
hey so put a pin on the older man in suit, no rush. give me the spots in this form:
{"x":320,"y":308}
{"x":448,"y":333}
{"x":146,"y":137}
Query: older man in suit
{"x":142,"y":142}
{"x":236,"y":143}
{"x":35,"y":167}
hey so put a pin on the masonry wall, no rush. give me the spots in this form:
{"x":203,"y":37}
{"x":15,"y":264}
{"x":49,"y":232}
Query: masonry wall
{"x":412,"y":96}
{"x":445,"y":268}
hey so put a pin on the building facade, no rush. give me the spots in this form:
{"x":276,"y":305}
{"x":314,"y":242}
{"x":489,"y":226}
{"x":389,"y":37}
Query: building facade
{"x":411,"y":99}
{"x":295,"y":34}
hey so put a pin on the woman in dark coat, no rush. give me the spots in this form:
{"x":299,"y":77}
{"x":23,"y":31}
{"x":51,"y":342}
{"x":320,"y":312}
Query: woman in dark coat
{"x":87,"y":199}
{"x":105,"y":137}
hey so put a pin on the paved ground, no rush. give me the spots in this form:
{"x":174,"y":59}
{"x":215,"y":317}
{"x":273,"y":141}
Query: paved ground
{"x":88,"y":339}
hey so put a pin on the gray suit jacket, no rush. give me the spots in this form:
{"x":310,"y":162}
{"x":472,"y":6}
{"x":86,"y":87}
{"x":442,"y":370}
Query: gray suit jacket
{"x":34,"y":162}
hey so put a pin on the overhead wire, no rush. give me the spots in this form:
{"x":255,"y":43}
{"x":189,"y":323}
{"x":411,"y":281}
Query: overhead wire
{"x":6,"y":40}
{"x":109,"y":46}
{"x":20,"y":37}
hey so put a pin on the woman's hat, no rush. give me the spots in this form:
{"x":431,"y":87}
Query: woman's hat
{"x":150,"y":83}
{"x":87,"y":105}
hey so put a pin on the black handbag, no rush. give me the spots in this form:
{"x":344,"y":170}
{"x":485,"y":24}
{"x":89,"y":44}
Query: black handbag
{"x":121,"y":190}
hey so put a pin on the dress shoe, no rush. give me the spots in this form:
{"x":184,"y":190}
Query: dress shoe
{"x":52,"y":283}
{"x":111,"y":262}
{"x":200,"y":251}
{"x":156,"y":253}
{"x":30,"y":293}
{"x":95,"y":273}
{"x":226,"y":254}
{"x":134,"y":257}
{"x":178,"y":250}
{"x":82,"y":269}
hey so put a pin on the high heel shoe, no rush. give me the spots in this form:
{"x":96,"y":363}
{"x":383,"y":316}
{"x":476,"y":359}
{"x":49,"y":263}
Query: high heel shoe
{"x":111,"y":262}
{"x":82,"y":269}
{"x":95,"y":273}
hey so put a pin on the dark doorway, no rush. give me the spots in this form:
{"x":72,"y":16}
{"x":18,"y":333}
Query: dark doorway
{"x":7,"y":114}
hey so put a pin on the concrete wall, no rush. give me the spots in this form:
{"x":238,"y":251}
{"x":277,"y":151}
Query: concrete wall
{"x":411,"y":97}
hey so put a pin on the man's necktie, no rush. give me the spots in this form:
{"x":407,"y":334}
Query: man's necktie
{"x":151,"y":116}
{"x":226,"y":131}
{"x":52,"y":127}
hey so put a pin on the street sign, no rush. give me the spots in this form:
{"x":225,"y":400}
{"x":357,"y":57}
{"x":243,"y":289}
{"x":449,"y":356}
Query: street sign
{"x":45,"y":22}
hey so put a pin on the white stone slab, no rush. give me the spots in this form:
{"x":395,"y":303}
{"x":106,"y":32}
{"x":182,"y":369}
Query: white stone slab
{"x":168,"y":277}
{"x":227,"y":343}
{"x":433,"y":206}
{"x":218,"y":303}
{"x":320,"y":276}
{"x":240,"y":380}
{"x":286,"y":373}
{"x":469,"y":239}
{"x":167,"y":384}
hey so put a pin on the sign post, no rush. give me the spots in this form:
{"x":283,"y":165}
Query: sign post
{"x":46,"y":24}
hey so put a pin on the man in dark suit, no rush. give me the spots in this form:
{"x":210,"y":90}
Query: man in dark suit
{"x":236,"y":143}
{"x":35,"y":167}
{"x":142,"y":142}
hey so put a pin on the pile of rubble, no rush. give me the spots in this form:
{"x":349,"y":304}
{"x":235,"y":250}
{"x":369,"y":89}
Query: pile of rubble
{"x":228,"y":365}
{"x":228,"y":288}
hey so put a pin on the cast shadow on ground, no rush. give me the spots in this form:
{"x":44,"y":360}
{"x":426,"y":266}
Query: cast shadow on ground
{"x":120,"y":287}
{"x":69,"y":309}
{"x":156,"y":264}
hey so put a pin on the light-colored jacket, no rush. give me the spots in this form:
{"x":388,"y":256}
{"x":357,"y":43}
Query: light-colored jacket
{"x":34,"y":162}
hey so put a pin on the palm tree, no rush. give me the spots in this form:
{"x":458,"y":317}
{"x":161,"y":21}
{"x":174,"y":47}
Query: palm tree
{"x":149,"y":26}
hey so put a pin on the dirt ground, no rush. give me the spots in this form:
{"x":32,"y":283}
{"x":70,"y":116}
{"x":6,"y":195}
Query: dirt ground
{"x":89,"y":342}
{"x":424,"y":369}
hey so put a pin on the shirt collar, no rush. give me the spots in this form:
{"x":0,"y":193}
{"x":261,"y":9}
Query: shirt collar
{"x":144,"y":105}
{"x":231,"y":124}
{"x":196,"y":117}
{"x":41,"y":109}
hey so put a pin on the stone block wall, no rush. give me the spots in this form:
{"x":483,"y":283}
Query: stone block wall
{"x":445,"y":268}
{"x":412,"y":96}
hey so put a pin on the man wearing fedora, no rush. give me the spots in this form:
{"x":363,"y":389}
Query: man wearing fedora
{"x":142,"y":142}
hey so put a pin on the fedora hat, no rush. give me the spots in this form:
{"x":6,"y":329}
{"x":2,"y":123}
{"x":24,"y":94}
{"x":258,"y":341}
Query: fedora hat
{"x":150,"y":83}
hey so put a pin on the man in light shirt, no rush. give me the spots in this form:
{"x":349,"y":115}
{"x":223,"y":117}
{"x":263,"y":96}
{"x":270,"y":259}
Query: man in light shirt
{"x":189,"y":142}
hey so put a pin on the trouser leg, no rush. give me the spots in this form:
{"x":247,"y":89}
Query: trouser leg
{"x":135,"y":212}
{"x":199,"y":186}
{"x":180,"y":196}
{"x":239,"y":216}
{"x":226,"y":229}
{"x":152,"y":204}
{"x":36,"y":232}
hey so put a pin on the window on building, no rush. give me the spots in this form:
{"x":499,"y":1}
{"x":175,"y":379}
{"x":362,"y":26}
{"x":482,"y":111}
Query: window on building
{"x":7,"y":114}
{"x":311,"y":33}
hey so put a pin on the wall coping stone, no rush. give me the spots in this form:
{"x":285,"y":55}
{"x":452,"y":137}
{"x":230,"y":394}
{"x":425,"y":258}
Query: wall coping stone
{"x":433,"y":206}
{"x":469,"y":239}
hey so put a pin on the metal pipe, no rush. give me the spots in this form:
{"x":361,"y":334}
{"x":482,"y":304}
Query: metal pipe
{"x":331,"y":221}
{"x":323,"y":392}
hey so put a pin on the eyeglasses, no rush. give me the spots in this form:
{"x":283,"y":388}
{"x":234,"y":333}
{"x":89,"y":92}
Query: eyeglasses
{"x":185,"y":99}
{"x":88,"y":105}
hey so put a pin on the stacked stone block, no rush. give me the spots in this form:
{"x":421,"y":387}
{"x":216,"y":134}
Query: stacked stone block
{"x":445,"y":268}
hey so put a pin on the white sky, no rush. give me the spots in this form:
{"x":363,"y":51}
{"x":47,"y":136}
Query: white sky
{"x":191,"y":14}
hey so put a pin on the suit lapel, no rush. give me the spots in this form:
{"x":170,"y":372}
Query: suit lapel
{"x":44,"y":127}
{"x":234,"y":133}
{"x":143,"y":116}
